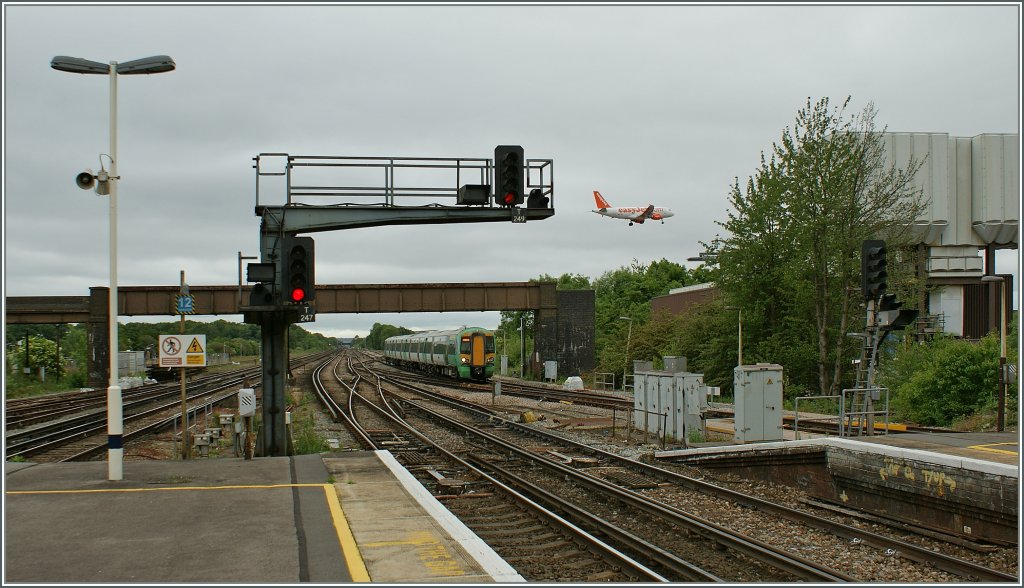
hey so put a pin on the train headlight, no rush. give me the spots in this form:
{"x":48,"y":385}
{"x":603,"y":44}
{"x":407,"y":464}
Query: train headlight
{"x":465,"y":360}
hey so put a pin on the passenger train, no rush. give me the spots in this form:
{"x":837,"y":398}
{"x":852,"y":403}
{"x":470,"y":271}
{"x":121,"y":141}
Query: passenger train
{"x":466,"y":353}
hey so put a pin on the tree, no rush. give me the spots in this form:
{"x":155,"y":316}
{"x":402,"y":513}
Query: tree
{"x":41,"y":353}
{"x":791,"y":260}
{"x":380,"y":333}
{"x":627,"y":292}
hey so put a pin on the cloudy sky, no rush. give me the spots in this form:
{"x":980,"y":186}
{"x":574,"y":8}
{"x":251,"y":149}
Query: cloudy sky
{"x":662,"y":104}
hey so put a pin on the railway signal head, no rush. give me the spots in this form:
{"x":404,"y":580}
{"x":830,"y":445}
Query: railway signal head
{"x":297,"y":284}
{"x":508,"y":175}
{"x":891,"y":317}
{"x":872,"y":269}
{"x":537,"y":199}
{"x":889,"y":302}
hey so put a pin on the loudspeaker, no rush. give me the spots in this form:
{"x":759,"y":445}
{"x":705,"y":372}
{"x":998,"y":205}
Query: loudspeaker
{"x":85,"y":180}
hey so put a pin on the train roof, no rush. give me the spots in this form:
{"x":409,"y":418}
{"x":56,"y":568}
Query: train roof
{"x":449,"y":332}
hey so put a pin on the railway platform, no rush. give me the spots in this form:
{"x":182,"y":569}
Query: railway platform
{"x":999,"y":447}
{"x":328,"y":518}
{"x":963,"y":485}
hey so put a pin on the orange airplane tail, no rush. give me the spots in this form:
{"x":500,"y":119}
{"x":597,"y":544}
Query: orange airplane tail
{"x":601,"y":202}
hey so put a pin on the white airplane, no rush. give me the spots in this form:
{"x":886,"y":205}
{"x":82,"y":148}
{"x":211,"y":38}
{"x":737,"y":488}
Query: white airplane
{"x":632,"y":214}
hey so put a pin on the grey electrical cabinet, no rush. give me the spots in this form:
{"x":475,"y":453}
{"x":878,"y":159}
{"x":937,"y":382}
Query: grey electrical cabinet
{"x":669,"y":404}
{"x":758,"y":402}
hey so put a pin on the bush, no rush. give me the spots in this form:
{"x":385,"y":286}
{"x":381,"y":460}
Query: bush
{"x":943,"y":381}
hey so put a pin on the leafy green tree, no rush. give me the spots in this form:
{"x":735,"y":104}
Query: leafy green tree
{"x":41,"y":353}
{"x":627,"y":292}
{"x":791,"y":259}
{"x":380,"y":333}
{"x":300,"y":339}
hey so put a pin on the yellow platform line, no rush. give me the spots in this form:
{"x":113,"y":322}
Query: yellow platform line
{"x":356,"y":567}
{"x":353,"y":557}
{"x":988,"y":447}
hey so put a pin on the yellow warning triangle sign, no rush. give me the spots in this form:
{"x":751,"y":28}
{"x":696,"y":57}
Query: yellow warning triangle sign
{"x":195,"y":347}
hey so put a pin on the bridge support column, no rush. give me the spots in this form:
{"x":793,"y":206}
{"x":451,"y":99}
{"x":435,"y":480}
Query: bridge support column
{"x":575,"y":332}
{"x":98,"y":338}
{"x":545,"y":341}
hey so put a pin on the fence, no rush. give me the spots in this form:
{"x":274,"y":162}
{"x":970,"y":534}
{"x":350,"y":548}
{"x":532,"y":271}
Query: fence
{"x":854,"y":417}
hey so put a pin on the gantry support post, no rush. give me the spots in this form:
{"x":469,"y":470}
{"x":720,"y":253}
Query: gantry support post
{"x":272,"y":438}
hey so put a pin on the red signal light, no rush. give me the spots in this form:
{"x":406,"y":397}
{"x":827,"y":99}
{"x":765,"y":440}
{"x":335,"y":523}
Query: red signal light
{"x":510,"y":198}
{"x":298,"y":294}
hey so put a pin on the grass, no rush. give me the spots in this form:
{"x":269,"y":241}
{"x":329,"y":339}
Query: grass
{"x":21,"y":386}
{"x":695,"y":436}
{"x":307,"y":440}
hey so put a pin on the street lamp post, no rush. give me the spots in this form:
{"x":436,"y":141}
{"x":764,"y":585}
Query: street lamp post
{"x":629,"y":335}
{"x":1001,"y":406}
{"x":739,"y":351}
{"x":146,"y":65}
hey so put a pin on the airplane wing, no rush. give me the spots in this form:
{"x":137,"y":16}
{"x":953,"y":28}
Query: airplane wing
{"x":646,"y":214}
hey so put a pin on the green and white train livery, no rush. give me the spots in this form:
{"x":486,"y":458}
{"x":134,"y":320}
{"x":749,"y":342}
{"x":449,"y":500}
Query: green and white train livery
{"x":466,"y":353}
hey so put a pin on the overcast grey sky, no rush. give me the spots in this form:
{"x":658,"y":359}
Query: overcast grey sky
{"x":662,"y":104}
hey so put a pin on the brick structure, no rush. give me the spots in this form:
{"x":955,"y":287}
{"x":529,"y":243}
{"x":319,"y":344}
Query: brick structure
{"x":575,"y":332}
{"x":681,"y":300}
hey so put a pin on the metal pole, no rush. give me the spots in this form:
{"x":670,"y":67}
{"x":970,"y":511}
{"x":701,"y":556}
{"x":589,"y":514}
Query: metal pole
{"x":522,"y":347}
{"x":1001,"y":408}
{"x":739,"y":354}
{"x":115,"y":410}
{"x":239,"y":279}
{"x":186,"y":447}
{"x":60,"y":327}
{"x":629,"y":337}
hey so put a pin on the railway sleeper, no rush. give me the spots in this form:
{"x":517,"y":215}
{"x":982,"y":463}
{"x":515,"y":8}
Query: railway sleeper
{"x":505,"y":528}
{"x":558,"y":543}
{"x":628,"y":479}
{"x":470,"y":518}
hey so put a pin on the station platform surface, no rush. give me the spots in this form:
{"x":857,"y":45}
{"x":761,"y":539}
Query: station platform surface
{"x":328,"y":518}
{"x":1001,"y":447}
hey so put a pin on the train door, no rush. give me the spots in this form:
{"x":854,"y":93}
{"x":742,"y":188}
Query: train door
{"x":477,"y":357}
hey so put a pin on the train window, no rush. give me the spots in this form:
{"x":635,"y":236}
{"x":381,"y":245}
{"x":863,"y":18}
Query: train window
{"x":489,"y":344}
{"x":451,"y":346}
{"x":465,"y":345}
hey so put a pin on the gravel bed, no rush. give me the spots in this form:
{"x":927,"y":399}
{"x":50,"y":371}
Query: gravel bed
{"x":862,"y":561}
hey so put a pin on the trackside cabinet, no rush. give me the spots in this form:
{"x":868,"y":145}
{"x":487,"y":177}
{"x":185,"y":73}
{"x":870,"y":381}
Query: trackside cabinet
{"x":668,"y":403}
{"x":758,"y":402}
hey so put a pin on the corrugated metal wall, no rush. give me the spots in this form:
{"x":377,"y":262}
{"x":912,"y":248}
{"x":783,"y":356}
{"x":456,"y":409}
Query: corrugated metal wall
{"x":981,"y":308}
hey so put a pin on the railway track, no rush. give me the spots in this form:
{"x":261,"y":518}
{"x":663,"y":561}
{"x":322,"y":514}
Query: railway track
{"x":540,"y":544}
{"x":714,"y":564}
{"x":536,"y":391}
{"x":668,"y":484}
{"x":77,"y":429}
